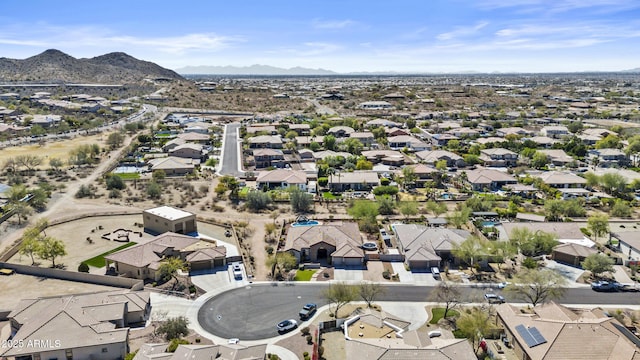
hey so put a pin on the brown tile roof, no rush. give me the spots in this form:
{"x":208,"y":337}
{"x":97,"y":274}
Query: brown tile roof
{"x":336,"y":234}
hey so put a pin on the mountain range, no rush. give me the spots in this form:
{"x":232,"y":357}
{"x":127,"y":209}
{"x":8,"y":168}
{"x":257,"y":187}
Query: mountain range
{"x":251,"y":70}
{"x":56,"y":66}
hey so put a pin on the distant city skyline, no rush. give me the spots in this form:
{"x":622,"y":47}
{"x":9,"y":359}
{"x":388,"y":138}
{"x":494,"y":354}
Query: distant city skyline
{"x":405,"y":36}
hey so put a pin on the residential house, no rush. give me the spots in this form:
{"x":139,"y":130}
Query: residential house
{"x":265,"y":142}
{"x":557,"y":157}
{"x":172,"y":166}
{"x":265,"y":158}
{"x":199,"y":128}
{"x":375,"y":105}
{"x":194,"y":137}
{"x":396,"y":131}
{"x":340,"y":131}
{"x":266,"y":129}
{"x":356,"y":181}
{"x":301,"y":129}
{"x":434,"y":156}
{"x":10,"y":129}
{"x":600,"y":133}
{"x":327,"y":153}
{"x":589,"y":139}
{"x":86,"y":326}
{"x":555,"y":132}
{"x":337,"y":242}
{"x":9,"y":96}
{"x":566,"y":232}
{"x":382,"y":122}
{"x":483,"y":179}
{"x":366,"y":138}
{"x":442,"y":139}
{"x":169,"y":219}
{"x":282,"y":179}
{"x":425,"y":247}
{"x":562,"y":179}
{"x":378,"y":335}
{"x":498,"y":157}
{"x":387,"y":157}
{"x":188,"y":151}
{"x":543,"y":141}
{"x":424,"y":174}
{"x":552,"y":331}
{"x":518,"y":131}
{"x":572,"y":254}
{"x":143,"y":261}
{"x":305,"y":141}
{"x":608,"y":157}
{"x":202,"y":352}
{"x":46,"y":121}
{"x":406,"y":141}
{"x":629,"y":246}
{"x":172,"y":144}
{"x":490,"y":140}
{"x":463,"y":132}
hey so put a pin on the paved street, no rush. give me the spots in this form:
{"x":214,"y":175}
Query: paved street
{"x":231,"y":146}
{"x":251,"y":312}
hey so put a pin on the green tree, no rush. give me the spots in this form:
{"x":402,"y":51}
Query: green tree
{"x":621,"y":209}
{"x":30,"y":246}
{"x":300,"y":201}
{"x":471,"y":250}
{"x":613,"y":183}
{"x":386,"y":205}
{"x":369,"y":291}
{"x":115,"y":140}
{"x":532,"y":243}
{"x":339,"y":294}
{"x":599,"y":225}
{"x":37,"y":130}
{"x":174,"y":328}
{"x":352,"y":146}
{"x":537,"y":286}
{"x":330,"y":142}
{"x":169,"y":268}
{"x":361,"y":209}
{"x":55,"y":164}
{"x":609,"y":142}
{"x":408,"y":208}
{"x":154,"y":191}
{"x":50,"y":249}
{"x":114,"y":181}
{"x":539,"y":160}
{"x":280,"y":262}
{"x":409,"y":176}
{"x":29,"y":161}
{"x":158,"y":175}
{"x":436,"y":208}
{"x":364,"y":164}
{"x":598,"y":264}
{"x":447,"y":293}
{"x":173,"y":345}
{"x":258,"y":200}
{"x":459,"y":218}
{"x":475,"y":324}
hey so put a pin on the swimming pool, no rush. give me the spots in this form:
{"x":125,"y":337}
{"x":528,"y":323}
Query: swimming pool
{"x":127,"y":169}
{"x":489,"y":223}
{"x":305,"y":223}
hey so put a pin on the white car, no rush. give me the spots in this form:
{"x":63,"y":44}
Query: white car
{"x":287,"y":325}
{"x":503,"y":285}
{"x":237,"y":271}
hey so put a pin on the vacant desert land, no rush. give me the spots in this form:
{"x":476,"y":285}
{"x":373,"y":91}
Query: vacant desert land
{"x":52,"y":149}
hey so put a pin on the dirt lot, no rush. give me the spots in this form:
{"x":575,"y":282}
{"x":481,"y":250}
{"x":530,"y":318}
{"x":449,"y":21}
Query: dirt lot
{"x":16,"y":287}
{"x":52,"y":149}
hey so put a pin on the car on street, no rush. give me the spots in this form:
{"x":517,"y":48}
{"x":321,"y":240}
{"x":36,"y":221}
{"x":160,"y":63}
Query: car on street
{"x":629,"y":288}
{"x":494,"y":299}
{"x":604,"y":286}
{"x":307,"y":311}
{"x":286,"y":325}
{"x":502,"y":285}
{"x":237,"y":271}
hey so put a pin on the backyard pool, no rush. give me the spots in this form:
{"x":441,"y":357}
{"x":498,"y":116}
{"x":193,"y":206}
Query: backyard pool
{"x":127,"y":169}
{"x":489,"y":223}
{"x":305,"y":223}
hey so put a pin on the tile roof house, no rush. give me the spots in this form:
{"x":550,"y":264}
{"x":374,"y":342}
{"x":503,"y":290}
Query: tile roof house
{"x":382,"y":122}
{"x":339,"y":242}
{"x":172,"y":166}
{"x":498,"y":157}
{"x":377,"y":335}
{"x":425,"y":247}
{"x":86,"y":326}
{"x":188,"y":151}
{"x":555,"y":332}
{"x":282,"y":179}
{"x":543,"y":141}
{"x":491,"y":179}
{"x":264,"y":158}
{"x":557,"y":156}
{"x":572,"y":254}
{"x":554,"y":132}
{"x":566,"y":232}
{"x":194,"y":137}
{"x":386,"y":157}
{"x":561,"y":179}
{"x":407,"y":141}
{"x":503,"y":132}
{"x":366,"y":138}
{"x":432,"y":157}
{"x":608,"y":157}
{"x":424,"y":174}
{"x":143,"y":261}
{"x":202,"y":352}
{"x":357,"y":181}
{"x":340,"y":131}
{"x":265,"y":141}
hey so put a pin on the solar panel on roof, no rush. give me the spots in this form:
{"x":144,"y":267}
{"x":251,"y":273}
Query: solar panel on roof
{"x":531,"y":336}
{"x":537,"y":336}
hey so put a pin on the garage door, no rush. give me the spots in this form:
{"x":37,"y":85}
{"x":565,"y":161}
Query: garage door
{"x":419,"y":264}
{"x":352,"y":261}
{"x":201,"y":265}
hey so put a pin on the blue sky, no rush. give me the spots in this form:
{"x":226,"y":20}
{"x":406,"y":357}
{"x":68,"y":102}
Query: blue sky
{"x":343,"y":36}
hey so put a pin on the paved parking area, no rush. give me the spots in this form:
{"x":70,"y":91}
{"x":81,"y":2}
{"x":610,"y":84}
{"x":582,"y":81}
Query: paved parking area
{"x":408,"y":277}
{"x":571,"y":273}
{"x":348,"y":275}
{"x":215,"y":279}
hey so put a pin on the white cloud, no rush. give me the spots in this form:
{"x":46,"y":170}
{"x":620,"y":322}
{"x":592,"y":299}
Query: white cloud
{"x":462,"y":31}
{"x":332,"y":24}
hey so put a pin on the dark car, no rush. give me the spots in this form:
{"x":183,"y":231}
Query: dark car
{"x":604,"y":286}
{"x":307,"y":311}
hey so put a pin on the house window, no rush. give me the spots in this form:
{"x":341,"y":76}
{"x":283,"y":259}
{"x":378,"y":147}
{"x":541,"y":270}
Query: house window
{"x":69,"y":354}
{"x":105,"y":350}
{"x":36,"y":356}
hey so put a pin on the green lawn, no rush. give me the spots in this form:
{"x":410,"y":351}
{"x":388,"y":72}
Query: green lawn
{"x":129,"y":176}
{"x":329,"y":196}
{"x":98,"y":261}
{"x":438,"y":313}
{"x":304,"y":275}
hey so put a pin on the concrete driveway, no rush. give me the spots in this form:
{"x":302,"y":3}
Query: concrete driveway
{"x":348,"y":275}
{"x":408,"y":277}
{"x":572,"y":274}
{"x":212,"y":280}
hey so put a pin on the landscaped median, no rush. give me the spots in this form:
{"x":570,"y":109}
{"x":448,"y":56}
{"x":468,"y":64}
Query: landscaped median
{"x":98,"y":261}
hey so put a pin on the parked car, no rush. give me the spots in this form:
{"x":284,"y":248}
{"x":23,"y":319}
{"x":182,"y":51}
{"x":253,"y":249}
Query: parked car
{"x":502,"y":285}
{"x":307,"y":311}
{"x":287,"y":325}
{"x":385,"y":236}
{"x":494,"y":299}
{"x":237,"y":271}
{"x":604,"y":286}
